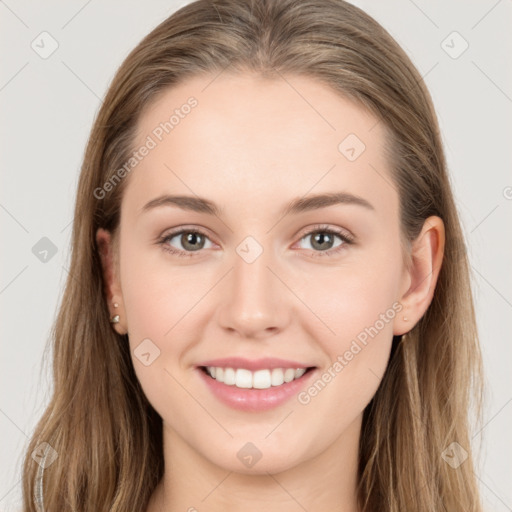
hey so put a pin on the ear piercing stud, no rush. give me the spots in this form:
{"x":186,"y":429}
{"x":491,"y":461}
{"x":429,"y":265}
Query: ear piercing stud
{"x":115,"y":318}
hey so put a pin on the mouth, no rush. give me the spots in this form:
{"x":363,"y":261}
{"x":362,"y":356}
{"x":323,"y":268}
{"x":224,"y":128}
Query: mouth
{"x":255,"y":385}
{"x":266,"y":378}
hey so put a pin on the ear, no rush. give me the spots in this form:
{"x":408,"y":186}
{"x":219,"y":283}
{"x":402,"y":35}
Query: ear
{"x":420,"y":279}
{"x":111,"y":281}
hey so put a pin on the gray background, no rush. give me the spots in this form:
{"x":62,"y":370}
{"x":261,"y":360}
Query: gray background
{"x":48,"y":106}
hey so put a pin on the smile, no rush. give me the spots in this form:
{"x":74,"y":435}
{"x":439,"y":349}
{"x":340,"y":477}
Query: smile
{"x":255,"y":391}
{"x":260,"y":379}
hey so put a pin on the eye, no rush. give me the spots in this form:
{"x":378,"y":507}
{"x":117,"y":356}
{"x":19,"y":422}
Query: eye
{"x":191,"y":241}
{"x":322,"y":239}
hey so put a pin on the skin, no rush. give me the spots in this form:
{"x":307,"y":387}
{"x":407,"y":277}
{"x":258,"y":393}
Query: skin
{"x":251,"y":146}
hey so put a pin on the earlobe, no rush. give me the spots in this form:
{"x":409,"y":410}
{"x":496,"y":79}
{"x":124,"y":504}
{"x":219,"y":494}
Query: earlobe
{"x":426,"y":260}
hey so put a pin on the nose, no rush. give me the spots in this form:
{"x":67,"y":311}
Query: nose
{"x":256,"y":303}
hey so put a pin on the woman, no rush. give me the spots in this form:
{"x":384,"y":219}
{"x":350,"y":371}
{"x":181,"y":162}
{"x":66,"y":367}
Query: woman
{"x":204,"y":357}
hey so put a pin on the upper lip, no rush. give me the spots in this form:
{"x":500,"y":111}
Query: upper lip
{"x":254,"y":364}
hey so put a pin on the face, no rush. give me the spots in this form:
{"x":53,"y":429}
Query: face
{"x":250,"y":283}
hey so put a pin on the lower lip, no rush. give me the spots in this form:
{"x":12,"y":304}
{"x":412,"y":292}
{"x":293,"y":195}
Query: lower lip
{"x":255,"y":399}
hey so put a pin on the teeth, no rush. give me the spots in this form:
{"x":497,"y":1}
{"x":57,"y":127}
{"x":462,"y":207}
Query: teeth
{"x":277,"y":377}
{"x":229,"y":377}
{"x":260,"y":379}
{"x":289,"y":374}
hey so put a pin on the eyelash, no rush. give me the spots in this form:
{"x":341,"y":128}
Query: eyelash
{"x":347,"y":239}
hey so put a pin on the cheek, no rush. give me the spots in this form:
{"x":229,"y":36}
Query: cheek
{"x":156,"y":299}
{"x":350,"y":298}
{"x":154,"y":292}
{"x":359,"y":306}
{"x":162,"y":302}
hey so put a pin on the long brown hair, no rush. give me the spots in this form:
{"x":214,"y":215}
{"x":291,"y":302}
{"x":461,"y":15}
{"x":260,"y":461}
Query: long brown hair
{"x":106,"y":439}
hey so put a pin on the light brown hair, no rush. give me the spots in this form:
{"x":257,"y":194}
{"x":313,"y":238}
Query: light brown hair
{"x":107,"y":436}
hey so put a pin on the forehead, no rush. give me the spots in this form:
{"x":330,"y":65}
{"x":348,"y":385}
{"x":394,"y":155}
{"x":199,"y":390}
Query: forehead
{"x":239,"y":136}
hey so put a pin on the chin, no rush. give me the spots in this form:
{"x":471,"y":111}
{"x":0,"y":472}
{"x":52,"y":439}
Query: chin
{"x":257,"y":457}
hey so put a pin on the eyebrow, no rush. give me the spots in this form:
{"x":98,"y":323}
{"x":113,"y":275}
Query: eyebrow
{"x":298,"y":205}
